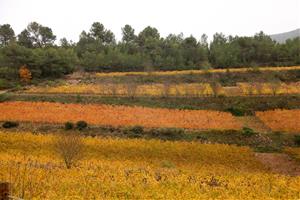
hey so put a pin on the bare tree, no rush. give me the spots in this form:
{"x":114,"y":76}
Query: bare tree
{"x":200,"y":89}
{"x":275,"y":87}
{"x":113,"y":89}
{"x":149,"y":70}
{"x":217,"y":88}
{"x":69,"y":147}
{"x":166,"y":89}
{"x":259,"y":88}
{"x":251,"y":88}
{"x":131,"y":89}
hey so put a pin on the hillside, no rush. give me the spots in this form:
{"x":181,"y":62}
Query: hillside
{"x":282,"y":37}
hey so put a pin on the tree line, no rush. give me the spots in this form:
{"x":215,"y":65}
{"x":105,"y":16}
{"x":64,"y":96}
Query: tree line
{"x":98,"y":50}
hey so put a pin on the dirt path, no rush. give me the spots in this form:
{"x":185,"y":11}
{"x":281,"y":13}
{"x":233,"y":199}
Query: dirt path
{"x":254,"y":123}
{"x":3,"y":91}
{"x":279,"y":163}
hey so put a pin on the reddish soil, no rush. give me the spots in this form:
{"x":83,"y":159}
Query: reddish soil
{"x":279,"y":163}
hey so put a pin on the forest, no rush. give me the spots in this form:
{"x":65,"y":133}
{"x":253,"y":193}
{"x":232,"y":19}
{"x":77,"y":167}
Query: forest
{"x":97,"y":50}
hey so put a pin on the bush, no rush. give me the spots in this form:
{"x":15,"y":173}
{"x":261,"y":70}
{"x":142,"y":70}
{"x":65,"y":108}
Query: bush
{"x":135,"y":131}
{"x":297,"y":140}
{"x":168,"y":133}
{"x":3,"y":97}
{"x":69,"y":125}
{"x":69,"y":147}
{"x":248,"y":132}
{"x":268,"y":148}
{"x":80,"y":125}
{"x":3,"y":84}
{"x":236,"y":111}
{"x":10,"y":124}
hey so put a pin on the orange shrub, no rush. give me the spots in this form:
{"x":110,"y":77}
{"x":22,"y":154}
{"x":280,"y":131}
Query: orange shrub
{"x":116,"y":115}
{"x":25,"y":74}
{"x":281,"y":120}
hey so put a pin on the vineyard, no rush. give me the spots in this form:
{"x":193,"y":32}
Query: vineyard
{"x":281,"y":120}
{"x":172,"y":90}
{"x":170,"y":73}
{"x":149,"y":115}
{"x":138,"y":169}
{"x":135,"y":137}
{"x":116,"y":115}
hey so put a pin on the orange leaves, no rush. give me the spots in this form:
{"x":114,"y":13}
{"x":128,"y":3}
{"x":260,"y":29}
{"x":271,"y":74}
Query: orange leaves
{"x":25,"y":74}
{"x":281,"y":120}
{"x":116,"y":115}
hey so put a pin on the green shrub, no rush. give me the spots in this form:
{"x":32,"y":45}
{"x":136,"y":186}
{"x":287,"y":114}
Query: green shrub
{"x":69,"y":125}
{"x":137,"y":130}
{"x":4,"y":84}
{"x":167,"y":133}
{"x":201,"y":137}
{"x":248,"y":132}
{"x":10,"y":124}
{"x":268,"y":148}
{"x":134,"y":132}
{"x":297,"y":140}
{"x":235,"y":111}
{"x":3,"y":97}
{"x":80,"y":125}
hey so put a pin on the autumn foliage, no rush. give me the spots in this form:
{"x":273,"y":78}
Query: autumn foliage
{"x":116,"y":115}
{"x":138,"y":169}
{"x":281,"y":120}
{"x":25,"y":74}
{"x":171,"y":90}
{"x":184,"y":72}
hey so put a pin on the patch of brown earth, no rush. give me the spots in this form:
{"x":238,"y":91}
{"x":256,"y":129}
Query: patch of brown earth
{"x":279,"y":163}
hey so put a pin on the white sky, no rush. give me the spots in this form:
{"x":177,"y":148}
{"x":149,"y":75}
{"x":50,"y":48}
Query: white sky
{"x":68,"y":18}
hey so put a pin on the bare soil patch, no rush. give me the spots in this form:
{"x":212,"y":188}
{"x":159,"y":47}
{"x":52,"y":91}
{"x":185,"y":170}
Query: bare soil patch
{"x":279,"y":163}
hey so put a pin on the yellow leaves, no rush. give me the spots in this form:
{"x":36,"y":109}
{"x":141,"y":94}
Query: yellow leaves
{"x":173,"y":90}
{"x":132,"y":169}
{"x":117,"y":115}
{"x":274,"y":88}
{"x":186,"y":72}
{"x":194,"y":89}
{"x":281,"y":120}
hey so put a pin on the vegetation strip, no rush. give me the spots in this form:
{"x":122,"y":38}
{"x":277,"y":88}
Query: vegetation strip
{"x":183,"y":72}
{"x":117,"y":115}
{"x":139,"y":169}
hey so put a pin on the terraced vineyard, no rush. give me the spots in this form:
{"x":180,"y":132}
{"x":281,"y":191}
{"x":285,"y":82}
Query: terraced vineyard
{"x":192,"y":140}
{"x":138,"y":169}
{"x":281,"y":120}
{"x":168,"y":73}
{"x":116,"y":115}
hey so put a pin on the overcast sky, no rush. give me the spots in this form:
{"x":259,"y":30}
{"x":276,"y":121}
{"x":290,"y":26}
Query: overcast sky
{"x":68,"y":18}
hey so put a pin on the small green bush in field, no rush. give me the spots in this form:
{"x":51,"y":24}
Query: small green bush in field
{"x":248,"y":132}
{"x":3,"y":97}
{"x":297,"y":140}
{"x":134,"y":132}
{"x":235,"y":111}
{"x":69,"y":125}
{"x":10,"y":124}
{"x":80,"y":125}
